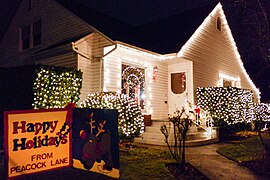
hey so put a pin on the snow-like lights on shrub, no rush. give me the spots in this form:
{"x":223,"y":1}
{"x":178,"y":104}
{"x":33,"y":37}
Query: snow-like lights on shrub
{"x":231,"y":104}
{"x":130,"y":116}
{"x":263,"y":112}
{"x":56,"y":87}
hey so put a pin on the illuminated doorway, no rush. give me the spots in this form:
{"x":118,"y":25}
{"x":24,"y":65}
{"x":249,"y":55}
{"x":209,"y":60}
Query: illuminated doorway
{"x":133,"y":82}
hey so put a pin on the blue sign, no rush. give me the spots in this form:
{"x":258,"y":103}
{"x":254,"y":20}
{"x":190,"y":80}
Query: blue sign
{"x":95,"y":142}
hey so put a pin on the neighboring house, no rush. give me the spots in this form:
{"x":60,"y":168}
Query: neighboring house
{"x":161,"y":64}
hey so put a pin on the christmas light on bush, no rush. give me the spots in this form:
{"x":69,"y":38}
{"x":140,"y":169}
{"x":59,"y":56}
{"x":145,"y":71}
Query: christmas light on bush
{"x":55,"y":87}
{"x":233,"y":105}
{"x":130,"y":122}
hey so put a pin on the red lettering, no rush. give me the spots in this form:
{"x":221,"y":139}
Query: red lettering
{"x":59,"y":161}
{"x":38,"y":127}
{"x":16,"y":127}
{"x":28,"y":167}
{"x":64,"y":140}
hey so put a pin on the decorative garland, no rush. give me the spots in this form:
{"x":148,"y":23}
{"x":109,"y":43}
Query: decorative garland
{"x":132,"y":75}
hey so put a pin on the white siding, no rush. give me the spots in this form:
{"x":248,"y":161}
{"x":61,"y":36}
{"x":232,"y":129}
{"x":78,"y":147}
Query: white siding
{"x":212,"y":52}
{"x":58,"y":25}
{"x":68,"y":60}
{"x":91,"y":46}
{"x":156,"y":90}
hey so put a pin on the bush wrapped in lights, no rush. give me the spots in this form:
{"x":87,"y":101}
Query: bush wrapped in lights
{"x":262,"y":112}
{"x":56,"y":87}
{"x":130,"y":116}
{"x":232,"y":105}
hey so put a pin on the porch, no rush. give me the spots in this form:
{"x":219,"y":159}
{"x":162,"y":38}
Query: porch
{"x":197,"y":136}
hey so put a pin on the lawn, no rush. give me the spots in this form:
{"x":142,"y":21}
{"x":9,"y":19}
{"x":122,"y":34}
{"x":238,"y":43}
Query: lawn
{"x":145,"y":163}
{"x":136,"y":163}
{"x":248,"y":152}
{"x":244,"y":150}
{"x":247,"y":149}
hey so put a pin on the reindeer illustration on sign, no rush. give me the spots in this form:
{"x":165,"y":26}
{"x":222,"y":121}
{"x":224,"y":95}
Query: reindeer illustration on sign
{"x":98,"y":146}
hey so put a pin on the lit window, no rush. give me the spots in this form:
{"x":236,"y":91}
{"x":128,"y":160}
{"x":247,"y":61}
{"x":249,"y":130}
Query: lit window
{"x":133,"y":79}
{"x":219,"y":23}
{"x":178,"y":82}
{"x":229,"y":81}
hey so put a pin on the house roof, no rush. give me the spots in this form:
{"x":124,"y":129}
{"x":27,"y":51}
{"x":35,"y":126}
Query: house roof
{"x":163,"y":36}
{"x":107,"y":25}
{"x":169,"y":34}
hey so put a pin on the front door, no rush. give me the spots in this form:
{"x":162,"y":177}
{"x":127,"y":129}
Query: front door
{"x":180,"y":86}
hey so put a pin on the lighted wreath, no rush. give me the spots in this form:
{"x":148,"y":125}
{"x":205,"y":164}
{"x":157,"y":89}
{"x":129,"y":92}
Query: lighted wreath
{"x":130,"y":121}
{"x":133,"y":76}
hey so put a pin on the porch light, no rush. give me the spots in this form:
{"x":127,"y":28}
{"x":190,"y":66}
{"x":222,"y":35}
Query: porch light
{"x":155,"y":72}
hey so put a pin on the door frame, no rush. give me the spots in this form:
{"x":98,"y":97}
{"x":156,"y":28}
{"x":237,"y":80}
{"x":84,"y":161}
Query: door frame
{"x":178,"y":67}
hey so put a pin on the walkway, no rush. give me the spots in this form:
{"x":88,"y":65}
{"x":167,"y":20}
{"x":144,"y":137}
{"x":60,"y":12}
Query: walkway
{"x":216,"y":166}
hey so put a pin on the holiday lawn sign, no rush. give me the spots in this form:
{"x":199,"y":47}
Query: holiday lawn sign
{"x":95,"y":141}
{"x":36,"y":140}
{"x":39,"y":140}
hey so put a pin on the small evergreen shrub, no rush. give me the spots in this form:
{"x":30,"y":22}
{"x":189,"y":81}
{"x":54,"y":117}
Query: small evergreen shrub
{"x":130,"y":120}
{"x":232,"y":109}
{"x":55,"y":87}
{"x":233,"y":105}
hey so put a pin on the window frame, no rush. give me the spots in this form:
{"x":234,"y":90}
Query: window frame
{"x":36,"y":32}
{"x":34,"y":35}
{"x":140,"y":100}
{"x":219,"y":24}
{"x":235,"y":82}
{"x":185,"y":84}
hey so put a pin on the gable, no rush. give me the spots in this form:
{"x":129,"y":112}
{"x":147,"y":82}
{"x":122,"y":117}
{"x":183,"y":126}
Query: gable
{"x":163,"y":36}
{"x":169,"y":34}
{"x":57,"y":25}
{"x":215,"y":52}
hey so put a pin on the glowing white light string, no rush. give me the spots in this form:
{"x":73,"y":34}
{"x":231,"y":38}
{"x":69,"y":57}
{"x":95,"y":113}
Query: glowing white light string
{"x":218,"y":9}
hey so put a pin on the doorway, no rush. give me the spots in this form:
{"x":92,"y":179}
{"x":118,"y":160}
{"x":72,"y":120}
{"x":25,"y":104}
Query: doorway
{"x":180,"y":85}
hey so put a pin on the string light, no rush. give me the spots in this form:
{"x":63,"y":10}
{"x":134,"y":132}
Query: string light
{"x":130,"y":120}
{"x":197,"y":34}
{"x":56,"y":87}
{"x":231,"y":104}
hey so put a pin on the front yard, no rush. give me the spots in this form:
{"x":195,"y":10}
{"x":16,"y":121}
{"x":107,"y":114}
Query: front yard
{"x":136,"y":163}
{"x":248,"y":152}
{"x":147,"y":163}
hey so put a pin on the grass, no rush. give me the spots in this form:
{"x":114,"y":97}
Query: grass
{"x":249,"y":149}
{"x":135,"y":163}
{"x":145,"y":163}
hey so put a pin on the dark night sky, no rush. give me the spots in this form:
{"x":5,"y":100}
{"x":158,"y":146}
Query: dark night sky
{"x":138,"y":12}
{"x":133,"y":12}
{"x":244,"y":18}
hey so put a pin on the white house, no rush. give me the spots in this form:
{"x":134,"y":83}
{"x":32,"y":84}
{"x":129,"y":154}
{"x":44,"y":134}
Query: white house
{"x":160,"y":64}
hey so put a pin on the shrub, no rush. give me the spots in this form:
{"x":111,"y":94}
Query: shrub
{"x":227,"y":130}
{"x":232,"y":105}
{"x":130,"y":121}
{"x":56,"y":87}
{"x":181,"y":124}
